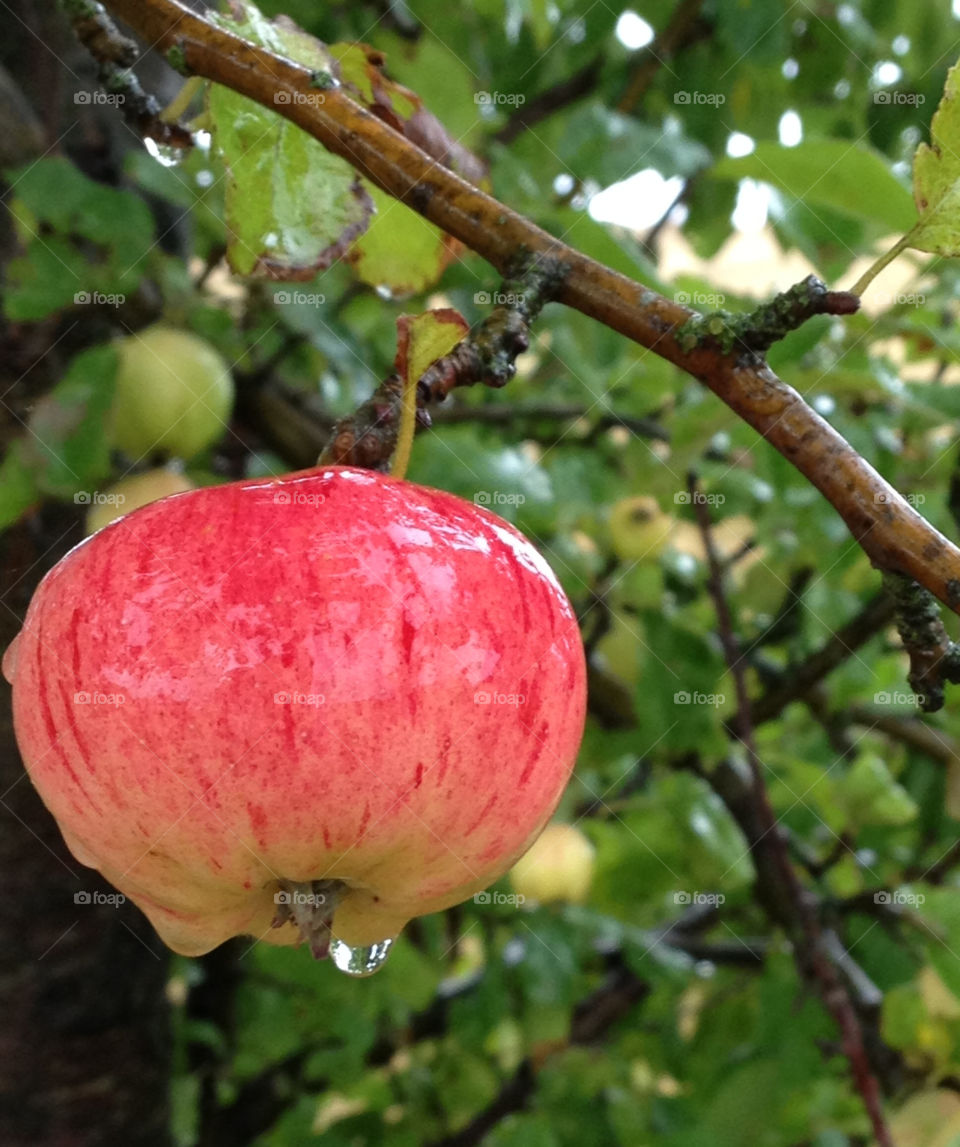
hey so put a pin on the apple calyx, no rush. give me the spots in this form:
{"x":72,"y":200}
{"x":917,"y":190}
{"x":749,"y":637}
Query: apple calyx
{"x":309,"y":905}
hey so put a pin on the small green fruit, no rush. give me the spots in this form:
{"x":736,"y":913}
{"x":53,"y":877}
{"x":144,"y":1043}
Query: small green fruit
{"x":132,"y":493}
{"x":559,"y":867}
{"x":174,"y":393}
{"x":620,"y":646}
{"x":639,"y":529}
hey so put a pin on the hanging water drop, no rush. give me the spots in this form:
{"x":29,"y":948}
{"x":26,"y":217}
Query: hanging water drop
{"x":360,"y":961}
{"x":164,"y":153}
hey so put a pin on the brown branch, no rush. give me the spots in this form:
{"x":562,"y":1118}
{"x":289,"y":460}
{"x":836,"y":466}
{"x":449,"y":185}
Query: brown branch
{"x":909,"y":731}
{"x":593,"y":1016}
{"x":800,"y":679}
{"x":561,"y":95}
{"x":487,"y":354}
{"x":116,"y":54}
{"x":891,"y":532}
{"x":684,"y":28}
{"x":934,"y":658}
{"x":812,"y":945}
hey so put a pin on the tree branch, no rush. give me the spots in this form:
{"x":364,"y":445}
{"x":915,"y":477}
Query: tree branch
{"x":685,"y":27}
{"x":561,"y":95}
{"x":813,"y":946}
{"x":891,"y":532}
{"x":800,"y":679}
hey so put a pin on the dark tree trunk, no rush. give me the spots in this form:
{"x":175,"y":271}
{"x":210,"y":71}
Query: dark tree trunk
{"x":84,"y":1023}
{"x":84,"y":1039}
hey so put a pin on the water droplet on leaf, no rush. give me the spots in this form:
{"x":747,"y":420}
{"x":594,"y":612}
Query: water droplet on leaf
{"x":361,"y":961}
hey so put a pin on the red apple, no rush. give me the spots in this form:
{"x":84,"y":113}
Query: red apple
{"x":333,"y":685}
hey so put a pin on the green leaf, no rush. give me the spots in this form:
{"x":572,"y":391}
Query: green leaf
{"x":44,"y":280}
{"x":67,"y":448}
{"x":18,"y":487}
{"x":870,"y":795}
{"x":681,"y":689}
{"x":851,"y":178}
{"x":422,"y":339}
{"x":292,"y":206}
{"x":506,"y":479}
{"x":63,"y":213}
{"x":936,"y":176}
{"x":940,"y":909}
{"x":400,"y":252}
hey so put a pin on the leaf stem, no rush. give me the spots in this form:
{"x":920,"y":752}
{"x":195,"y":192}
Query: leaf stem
{"x":408,"y":423}
{"x":875,"y":268}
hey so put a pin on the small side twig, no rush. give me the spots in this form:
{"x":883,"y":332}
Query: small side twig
{"x":368,"y":436}
{"x":811,"y":944}
{"x":116,"y":54}
{"x":754,"y":332}
{"x":800,"y":679}
{"x":934,"y":658}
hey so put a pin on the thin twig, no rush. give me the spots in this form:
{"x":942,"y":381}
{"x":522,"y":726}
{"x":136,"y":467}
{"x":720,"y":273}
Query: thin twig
{"x":810,"y":942}
{"x":800,"y":679}
{"x":684,"y":28}
{"x":561,"y":95}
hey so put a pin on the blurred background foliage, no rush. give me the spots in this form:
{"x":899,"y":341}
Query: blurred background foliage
{"x":665,"y":1008}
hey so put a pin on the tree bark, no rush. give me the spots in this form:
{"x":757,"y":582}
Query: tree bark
{"x":84,"y":1043}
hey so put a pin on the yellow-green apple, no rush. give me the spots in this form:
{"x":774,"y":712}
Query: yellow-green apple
{"x":621,"y":645}
{"x":133,"y":492}
{"x":639,"y":529}
{"x":173,"y":394}
{"x":275,"y":705}
{"x":559,"y":867}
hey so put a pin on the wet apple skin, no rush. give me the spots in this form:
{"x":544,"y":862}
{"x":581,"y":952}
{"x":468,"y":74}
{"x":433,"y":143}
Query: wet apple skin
{"x":334,"y":675}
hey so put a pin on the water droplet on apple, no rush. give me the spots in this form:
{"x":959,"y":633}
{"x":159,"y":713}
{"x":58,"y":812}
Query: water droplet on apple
{"x":361,"y":961}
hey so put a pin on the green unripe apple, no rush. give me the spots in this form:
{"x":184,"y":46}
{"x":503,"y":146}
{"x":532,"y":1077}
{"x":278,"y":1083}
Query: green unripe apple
{"x":132,"y":493}
{"x":620,"y":646}
{"x":558,"y":868}
{"x":639,"y":529}
{"x":174,"y":393}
